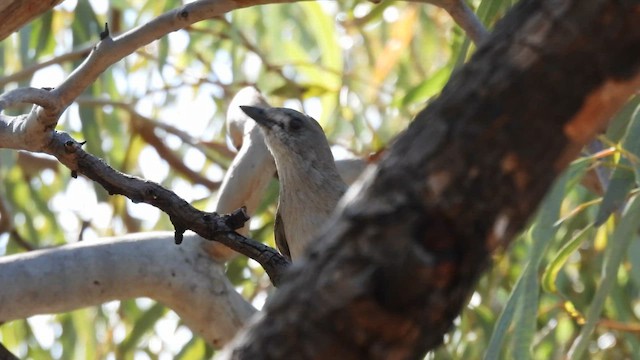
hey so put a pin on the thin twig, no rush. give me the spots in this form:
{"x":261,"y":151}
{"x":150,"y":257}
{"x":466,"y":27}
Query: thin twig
{"x":5,"y":217}
{"x":146,"y":131}
{"x":218,"y":147}
{"x":28,"y":71}
{"x":183,"y":216}
{"x":18,"y":239}
{"x":463,"y":16}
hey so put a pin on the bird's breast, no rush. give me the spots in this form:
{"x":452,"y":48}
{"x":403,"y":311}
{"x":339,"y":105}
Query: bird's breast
{"x":303,"y":218}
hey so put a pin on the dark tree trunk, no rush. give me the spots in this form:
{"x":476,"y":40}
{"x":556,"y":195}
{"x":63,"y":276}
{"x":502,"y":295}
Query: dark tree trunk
{"x":399,"y":262}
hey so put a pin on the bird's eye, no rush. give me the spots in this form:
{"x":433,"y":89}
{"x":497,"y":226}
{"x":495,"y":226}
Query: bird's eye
{"x":295,"y":124}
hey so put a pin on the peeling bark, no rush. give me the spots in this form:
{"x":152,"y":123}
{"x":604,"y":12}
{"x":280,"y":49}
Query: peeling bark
{"x":403,"y":254}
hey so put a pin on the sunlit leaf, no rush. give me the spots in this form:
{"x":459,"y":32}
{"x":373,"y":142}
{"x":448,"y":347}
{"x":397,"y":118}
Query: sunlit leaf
{"x":620,"y":240}
{"x":618,"y":126}
{"x":542,"y":232}
{"x":402,"y":32}
{"x":622,"y":181}
{"x":194,"y":349}
{"x":508,"y":313}
{"x":141,"y":327}
{"x":626,"y":174}
{"x":553,"y":268}
{"x":85,"y":26}
{"x":427,"y":88}
{"x":42,"y":37}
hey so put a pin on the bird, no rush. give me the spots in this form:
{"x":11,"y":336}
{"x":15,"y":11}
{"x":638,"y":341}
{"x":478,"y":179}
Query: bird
{"x":310,"y":185}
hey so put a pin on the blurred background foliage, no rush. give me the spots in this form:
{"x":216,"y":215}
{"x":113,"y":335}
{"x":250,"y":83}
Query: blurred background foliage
{"x":363,"y":70}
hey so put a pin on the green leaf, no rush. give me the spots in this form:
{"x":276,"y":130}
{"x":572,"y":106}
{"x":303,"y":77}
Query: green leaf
{"x":488,"y":9}
{"x":23,"y":35}
{"x":486,"y":12}
{"x":141,"y":327}
{"x":375,"y":13}
{"x":553,"y":268}
{"x":626,"y":175}
{"x":323,"y":29}
{"x":163,"y":53}
{"x":634,"y":259}
{"x":618,"y":126}
{"x":91,"y":131}
{"x":505,"y":318}
{"x":85,"y":26}
{"x":621,"y":183}
{"x":194,"y":349}
{"x":542,"y":232}
{"x":622,"y":236}
{"x":522,"y":303}
{"x":428,"y":88}
{"x":631,"y":144}
{"x":42,"y":37}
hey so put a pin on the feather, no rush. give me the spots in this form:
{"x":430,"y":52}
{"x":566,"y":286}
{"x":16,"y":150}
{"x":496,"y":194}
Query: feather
{"x":281,"y":239}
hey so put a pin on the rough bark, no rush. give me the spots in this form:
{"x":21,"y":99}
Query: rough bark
{"x":403,"y":254}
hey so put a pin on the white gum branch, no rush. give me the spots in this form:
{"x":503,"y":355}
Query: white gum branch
{"x":184,"y":278}
{"x":246,"y":180}
{"x":26,"y":132}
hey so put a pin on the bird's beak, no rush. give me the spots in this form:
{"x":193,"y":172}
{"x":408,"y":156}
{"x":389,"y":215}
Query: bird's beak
{"x":260,"y":115}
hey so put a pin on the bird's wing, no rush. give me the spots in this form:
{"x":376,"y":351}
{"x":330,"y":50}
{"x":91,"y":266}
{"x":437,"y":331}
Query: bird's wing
{"x":281,"y":239}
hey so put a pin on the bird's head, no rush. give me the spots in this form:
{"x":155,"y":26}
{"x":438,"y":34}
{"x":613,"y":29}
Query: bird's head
{"x":290,"y":134}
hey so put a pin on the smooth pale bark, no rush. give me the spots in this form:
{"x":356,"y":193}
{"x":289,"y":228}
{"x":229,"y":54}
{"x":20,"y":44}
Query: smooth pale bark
{"x":248,"y":176}
{"x":150,"y":265}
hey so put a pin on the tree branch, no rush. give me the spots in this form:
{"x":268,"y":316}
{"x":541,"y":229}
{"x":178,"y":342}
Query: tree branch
{"x":145,"y":130}
{"x":26,"y":129}
{"x":199,"y":144}
{"x":29,"y":71}
{"x":110,"y":50}
{"x":183,"y":278}
{"x":183,"y":216}
{"x":34,"y":96}
{"x":5,"y":217}
{"x":15,"y":13}
{"x":463,"y":16}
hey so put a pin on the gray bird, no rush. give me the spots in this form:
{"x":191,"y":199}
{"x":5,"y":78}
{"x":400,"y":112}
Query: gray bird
{"x":310,"y":185}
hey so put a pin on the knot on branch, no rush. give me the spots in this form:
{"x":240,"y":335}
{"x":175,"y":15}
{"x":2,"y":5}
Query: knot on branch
{"x":236,"y":219}
{"x":71,"y":146}
{"x":105,"y":34}
{"x":229,"y":222}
